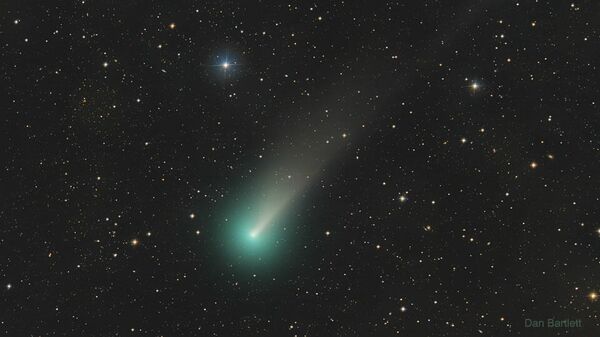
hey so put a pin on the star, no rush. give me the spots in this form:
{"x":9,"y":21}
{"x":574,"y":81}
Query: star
{"x":533,"y":165}
{"x":134,"y":242}
{"x":8,"y":286}
{"x":225,"y":65}
{"x":473,"y":86}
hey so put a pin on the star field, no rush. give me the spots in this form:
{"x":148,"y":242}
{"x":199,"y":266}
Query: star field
{"x":328,"y":168}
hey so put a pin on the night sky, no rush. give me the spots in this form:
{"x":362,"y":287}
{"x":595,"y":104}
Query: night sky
{"x":289,"y":168}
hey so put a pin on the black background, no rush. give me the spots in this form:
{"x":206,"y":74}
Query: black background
{"x":506,"y":241}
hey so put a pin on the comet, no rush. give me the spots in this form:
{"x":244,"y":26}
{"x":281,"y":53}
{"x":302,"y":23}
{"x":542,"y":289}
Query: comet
{"x":261,"y":216}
